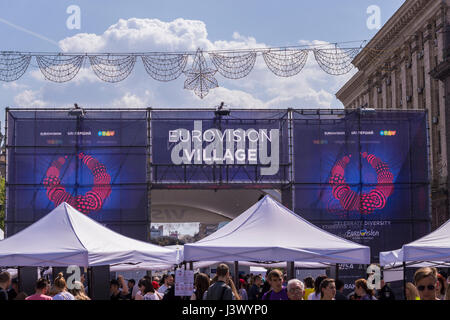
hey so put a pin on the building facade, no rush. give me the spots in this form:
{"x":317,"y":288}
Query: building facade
{"x":403,"y":67}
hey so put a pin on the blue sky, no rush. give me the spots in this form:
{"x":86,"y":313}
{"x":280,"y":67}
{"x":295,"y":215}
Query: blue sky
{"x":206,"y":24}
{"x":142,"y":26}
{"x":277,"y":23}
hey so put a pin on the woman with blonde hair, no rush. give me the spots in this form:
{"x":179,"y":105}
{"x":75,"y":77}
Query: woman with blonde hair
{"x":411,"y":292}
{"x":78,"y":291}
{"x":60,"y":287}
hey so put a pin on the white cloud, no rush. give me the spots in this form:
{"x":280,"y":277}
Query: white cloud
{"x":14,"y":85}
{"x":311,"y":88}
{"x":130,"y":100}
{"x":29,"y":98}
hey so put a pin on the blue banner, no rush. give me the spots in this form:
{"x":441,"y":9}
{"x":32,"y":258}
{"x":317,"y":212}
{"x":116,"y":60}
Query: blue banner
{"x":96,"y":163}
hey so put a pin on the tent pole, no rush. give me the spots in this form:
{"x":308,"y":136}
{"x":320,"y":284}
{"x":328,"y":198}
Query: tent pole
{"x":191,"y":265}
{"x":290,"y":270}
{"x":404,"y":279}
{"x":89,"y":279}
{"x":337,"y":271}
{"x":236,"y":274}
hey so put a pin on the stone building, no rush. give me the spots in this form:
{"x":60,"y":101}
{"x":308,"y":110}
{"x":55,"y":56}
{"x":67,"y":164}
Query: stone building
{"x":404,"y":66}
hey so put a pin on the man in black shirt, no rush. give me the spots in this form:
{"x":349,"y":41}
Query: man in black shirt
{"x":115,"y":286}
{"x":5,"y":281}
{"x":220,"y":290}
{"x":340,"y":290}
{"x":14,"y":291}
{"x":255,"y":291}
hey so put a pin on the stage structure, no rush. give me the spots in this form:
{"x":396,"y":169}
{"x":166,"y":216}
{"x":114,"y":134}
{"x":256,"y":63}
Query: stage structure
{"x":360,"y":174}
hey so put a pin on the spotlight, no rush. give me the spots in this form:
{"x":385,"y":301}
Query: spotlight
{"x":221,"y":110}
{"x":76,"y":111}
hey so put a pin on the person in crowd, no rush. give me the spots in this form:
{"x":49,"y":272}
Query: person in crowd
{"x":139,"y":295}
{"x":14,"y":291}
{"x":201,"y":286}
{"x":447,"y":293}
{"x":411,"y":292}
{"x":83,"y":280}
{"x":118,"y":288}
{"x":309,"y":284}
{"x":166,"y":283}
{"x":42,"y":288}
{"x":425,"y":280}
{"x":130,"y":283}
{"x":170,"y":293}
{"x":277,"y":291}
{"x":265,"y":286}
{"x":327,"y":289}
{"x":255,"y":290}
{"x":78,"y":291}
{"x":235,"y":293}
{"x":5,"y":282}
{"x":155,"y":285}
{"x":316,"y":294}
{"x":148,"y":292}
{"x":243,"y":289}
{"x":441,"y":288}
{"x":219,"y":290}
{"x":385,"y":293}
{"x":60,"y":288}
{"x":21,"y":296}
{"x":362,"y":290}
{"x":295,"y":289}
{"x":340,"y":290}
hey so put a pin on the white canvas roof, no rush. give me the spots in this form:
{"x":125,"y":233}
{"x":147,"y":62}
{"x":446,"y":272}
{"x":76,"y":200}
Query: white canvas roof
{"x":268,"y":231}
{"x":67,"y":237}
{"x":434,"y":249}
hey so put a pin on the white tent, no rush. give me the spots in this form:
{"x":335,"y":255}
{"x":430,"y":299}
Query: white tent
{"x":67,"y":237}
{"x":268,"y":231}
{"x":431,"y":250}
{"x":2,"y":234}
{"x":205,"y":264}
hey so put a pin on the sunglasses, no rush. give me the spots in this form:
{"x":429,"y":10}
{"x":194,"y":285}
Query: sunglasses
{"x":429,"y":287}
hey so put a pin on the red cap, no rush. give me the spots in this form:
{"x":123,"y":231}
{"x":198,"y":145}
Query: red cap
{"x":155,"y":285}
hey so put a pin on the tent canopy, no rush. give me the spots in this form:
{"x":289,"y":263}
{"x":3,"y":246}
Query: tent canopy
{"x":66,"y":237}
{"x":434,"y":248}
{"x":268,"y":231}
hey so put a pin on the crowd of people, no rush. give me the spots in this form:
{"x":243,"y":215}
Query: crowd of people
{"x":428,"y":285}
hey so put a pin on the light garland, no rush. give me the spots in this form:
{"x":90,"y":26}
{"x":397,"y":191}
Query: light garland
{"x":200,"y":77}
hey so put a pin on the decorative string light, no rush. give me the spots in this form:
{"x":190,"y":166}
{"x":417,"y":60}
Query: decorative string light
{"x":168,"y":66}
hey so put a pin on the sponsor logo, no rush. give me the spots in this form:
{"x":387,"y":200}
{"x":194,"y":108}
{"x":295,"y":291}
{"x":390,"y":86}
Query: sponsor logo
{"x":106,"y":133}
{"x":361,"y":234}
{"x":364,"y":233}
{"x":54,"y":141}
{"x":320,"y":141}
{"x":231,"y":146}
{"x":79,"y":133}
{"x":387,"y":133}
{"x":50,"y":133}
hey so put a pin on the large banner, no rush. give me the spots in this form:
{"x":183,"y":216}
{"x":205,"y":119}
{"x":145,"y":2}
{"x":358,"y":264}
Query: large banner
{"x":202,"y":147}
{"x":96,"y":163}
{"x":364,"y":176}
